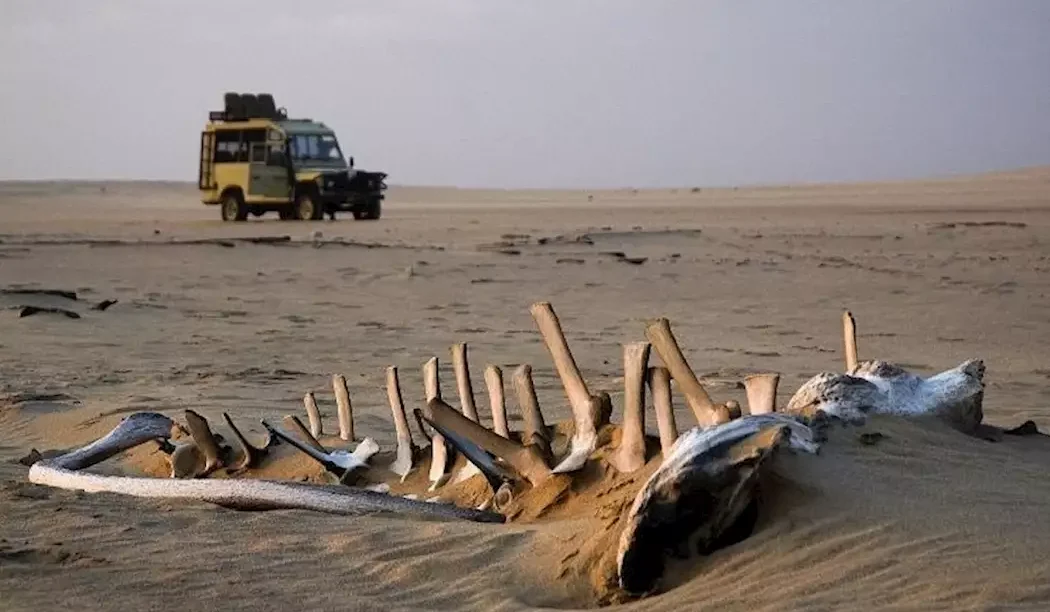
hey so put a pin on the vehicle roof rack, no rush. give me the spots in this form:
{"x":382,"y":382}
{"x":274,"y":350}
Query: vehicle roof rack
{"x":245,"y":106}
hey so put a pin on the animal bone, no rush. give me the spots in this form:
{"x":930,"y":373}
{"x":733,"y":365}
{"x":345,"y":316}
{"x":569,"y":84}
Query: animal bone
{"x":497,"y":477}
{"x":535,"y":433}
{"x":761,"y":392}
{"x":205,"y":441}
{"x":666,"y":346}
{"x":294,"y":423}
{"x":584,"y":405}
{"x":250,"y":455}
{"x":497,"y":401}
{"x":659,"y":379}
{"x":849,"y":338}
{"x":874,"y":386}
{"x":702,"y":487}
{"x":630,"y":454}
{"x":406,"y":449}
{"x":732,"y":409}
{"x":313,"y":414}
{"x":186,"y":461}
{"x":461,"y":366}
{"x":345,"y":408}
{"x":241,"y":494}
{"x":526,"y":460}
{"x":439,"y":455}
{"x":955,"y":395}
{"x":338,"y":462}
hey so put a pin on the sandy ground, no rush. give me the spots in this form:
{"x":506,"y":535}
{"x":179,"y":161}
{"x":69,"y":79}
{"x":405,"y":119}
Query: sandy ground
{"x":752,"y":279}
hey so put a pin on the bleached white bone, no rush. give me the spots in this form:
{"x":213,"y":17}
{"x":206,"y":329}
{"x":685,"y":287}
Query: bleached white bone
{"x":237,"y":493}
{"x":535,"y":428}
{"x":438,"y":448}
{"x":461,"y":368}
{"x":666,"y":346}
{"x":497,"y":400}
{"x":405,"y":447}
{"x":630,"y":454}
{"x":849,"y":341}
{"x":345,"y":408}
{"x":584,"y":405}
{"x":659,"y":379}
{"x":761,"y":392}
{"x":313,"y":414}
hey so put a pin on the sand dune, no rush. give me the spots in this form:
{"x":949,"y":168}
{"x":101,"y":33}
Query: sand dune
{"x":753,"y":279}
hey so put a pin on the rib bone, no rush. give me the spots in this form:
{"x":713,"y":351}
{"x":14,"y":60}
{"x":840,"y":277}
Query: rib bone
{"x":497,"y":401}
{"x":338,"y":462}
{"x":585,"y":436}
{"x":439,"y":456}
{"x":849,"y":338}
{"x":346,"y":410}
{"x":461,"y":366}
{"x":535,"y":433}
{"x":250,"y":455}
{"x":406,"y":449}
{"x":707,"y":414}
{"x":293,"y":422}
{"x":312,"y":413}
{"x":761,"y":392}
{"x":205,"y":441}
{"x":493,"y":472}
{"x":525,"y":459}
{"x":659,"y":379}
{"x":630,"y":455}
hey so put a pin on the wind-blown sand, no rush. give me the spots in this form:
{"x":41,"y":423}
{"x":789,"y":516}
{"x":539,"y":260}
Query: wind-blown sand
{"x":752,"y":280}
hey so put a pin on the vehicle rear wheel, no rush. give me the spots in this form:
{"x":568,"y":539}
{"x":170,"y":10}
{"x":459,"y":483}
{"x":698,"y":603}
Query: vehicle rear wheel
{"x":233,"y":207}
{"x":307,"y":208}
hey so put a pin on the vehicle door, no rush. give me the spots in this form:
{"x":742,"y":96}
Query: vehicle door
{"x":268,"y":172}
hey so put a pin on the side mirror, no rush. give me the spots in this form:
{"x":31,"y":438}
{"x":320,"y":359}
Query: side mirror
{"x":351,"y":161}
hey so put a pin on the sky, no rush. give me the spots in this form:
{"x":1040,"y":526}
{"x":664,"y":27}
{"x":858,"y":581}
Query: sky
{"x":538,"y":93}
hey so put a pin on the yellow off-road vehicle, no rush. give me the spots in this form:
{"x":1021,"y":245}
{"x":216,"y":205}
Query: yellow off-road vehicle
{"x":255,"y":159}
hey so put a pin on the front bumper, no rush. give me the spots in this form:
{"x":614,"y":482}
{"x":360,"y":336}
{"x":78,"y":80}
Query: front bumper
{"x":349,"y":201}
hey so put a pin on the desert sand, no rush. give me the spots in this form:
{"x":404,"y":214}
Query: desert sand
{"x":752,"y":279}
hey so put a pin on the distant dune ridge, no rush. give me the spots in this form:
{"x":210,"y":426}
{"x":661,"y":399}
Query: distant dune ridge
{"x":753,"y":279}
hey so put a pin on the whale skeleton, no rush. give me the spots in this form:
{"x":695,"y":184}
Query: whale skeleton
{"x":703,"y":486}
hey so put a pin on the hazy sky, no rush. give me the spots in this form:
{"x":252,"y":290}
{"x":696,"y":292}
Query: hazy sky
{"x":600,"y":93}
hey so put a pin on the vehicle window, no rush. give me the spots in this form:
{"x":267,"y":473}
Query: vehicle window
{"x":248,"y":142}
{"x":319,"y":147}
{"x":258,"y":152}
{"x":276,"y":156}
{"x":227,"y":145}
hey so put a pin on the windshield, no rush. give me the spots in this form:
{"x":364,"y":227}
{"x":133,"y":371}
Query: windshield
{"x":314,"y":147}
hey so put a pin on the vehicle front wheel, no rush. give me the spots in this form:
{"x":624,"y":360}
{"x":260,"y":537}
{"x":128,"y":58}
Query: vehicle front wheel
{"x":233,"y":207}
{"x":369,"y":212}
{"x":307,"y":208}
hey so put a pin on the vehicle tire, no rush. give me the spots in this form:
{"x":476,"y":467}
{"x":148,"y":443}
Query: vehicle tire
{"x":370,"y":212}
{"x":233,"y":207}
{"x":307,"y":208}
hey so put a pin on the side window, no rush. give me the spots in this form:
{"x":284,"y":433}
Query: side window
{"x":276,"y":157}
{"x":227,"y":146}
{"x":252,"y":137}
{"x":258,"y":153}
{"x":275,"y":145}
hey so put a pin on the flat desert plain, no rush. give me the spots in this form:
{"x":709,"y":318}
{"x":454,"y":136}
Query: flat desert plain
{"x":752,"y":279}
